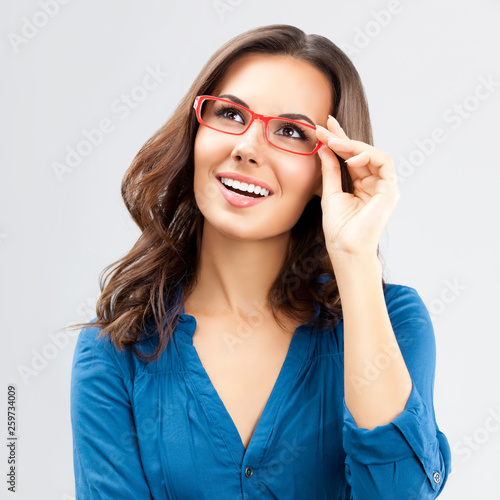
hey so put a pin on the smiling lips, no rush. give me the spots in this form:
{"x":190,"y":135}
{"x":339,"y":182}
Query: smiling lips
{"x":244,"y":187}
{"x":242,"y":191}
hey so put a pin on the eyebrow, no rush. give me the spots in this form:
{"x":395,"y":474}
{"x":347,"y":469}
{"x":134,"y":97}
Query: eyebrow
{"x":291,"y":116}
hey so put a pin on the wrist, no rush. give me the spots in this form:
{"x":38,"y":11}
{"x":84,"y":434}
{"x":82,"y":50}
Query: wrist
{"x":355,"y":265}
{"x":341,"y":257}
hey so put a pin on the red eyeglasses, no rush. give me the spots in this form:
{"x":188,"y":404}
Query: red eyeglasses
{"x":231,"y":118}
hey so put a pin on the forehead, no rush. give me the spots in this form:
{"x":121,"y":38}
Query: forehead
{"x":277,"y":84}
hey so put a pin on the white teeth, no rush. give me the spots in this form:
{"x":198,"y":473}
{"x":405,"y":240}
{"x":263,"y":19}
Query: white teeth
{"x":243,"y":186}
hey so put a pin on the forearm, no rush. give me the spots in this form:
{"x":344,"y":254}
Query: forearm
{"x":376,"y":381}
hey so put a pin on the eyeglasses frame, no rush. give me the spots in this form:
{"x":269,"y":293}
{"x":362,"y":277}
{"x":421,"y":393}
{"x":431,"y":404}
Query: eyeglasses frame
{"x":255,"y":116}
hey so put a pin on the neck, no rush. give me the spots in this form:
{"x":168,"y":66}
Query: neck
{"x":235,"y":276}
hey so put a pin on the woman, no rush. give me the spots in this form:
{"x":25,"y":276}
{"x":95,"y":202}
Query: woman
{"x":247,"y":346}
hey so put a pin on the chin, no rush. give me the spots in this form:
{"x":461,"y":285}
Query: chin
{"x":246,"y":232}
{"x":240,"y":234}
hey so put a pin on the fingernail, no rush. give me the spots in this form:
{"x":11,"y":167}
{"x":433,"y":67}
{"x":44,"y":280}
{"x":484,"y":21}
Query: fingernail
{"x":355,"y":156}
{"x":336,"y":121}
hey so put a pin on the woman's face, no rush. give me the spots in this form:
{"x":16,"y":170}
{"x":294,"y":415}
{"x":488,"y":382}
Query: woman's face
{"x":270,"y":85}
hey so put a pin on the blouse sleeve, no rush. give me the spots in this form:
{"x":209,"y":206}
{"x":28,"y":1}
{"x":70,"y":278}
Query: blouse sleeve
{"x":106,"y":456}
{"x":409,"y":457}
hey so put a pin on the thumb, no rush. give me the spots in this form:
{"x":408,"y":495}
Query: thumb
{"x":330,"y":166}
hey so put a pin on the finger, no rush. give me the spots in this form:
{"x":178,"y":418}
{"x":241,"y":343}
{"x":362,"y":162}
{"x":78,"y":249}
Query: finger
{"x":330,"y":166}
{"x":324,"y":134}
{"x":359,"y":165}
{"x":346,"y":148}
{"x":379,"y":163}
{"x":334,"y":126}
{"x":341,"y":143}
{"x":363,"y":165}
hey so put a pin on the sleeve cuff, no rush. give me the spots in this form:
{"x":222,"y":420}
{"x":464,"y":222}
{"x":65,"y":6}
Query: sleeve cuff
{"x":412,"y":432}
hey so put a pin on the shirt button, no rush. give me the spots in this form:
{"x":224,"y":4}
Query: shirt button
{"x":437,"y":477}
{"x":248,"y":472}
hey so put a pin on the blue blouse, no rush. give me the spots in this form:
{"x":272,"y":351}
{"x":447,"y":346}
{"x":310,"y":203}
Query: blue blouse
{"x":159,"y":430}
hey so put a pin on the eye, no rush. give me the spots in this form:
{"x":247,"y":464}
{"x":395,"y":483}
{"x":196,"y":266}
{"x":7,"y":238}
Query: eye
{"x":230,"y":113}
{"x":291,"y":131}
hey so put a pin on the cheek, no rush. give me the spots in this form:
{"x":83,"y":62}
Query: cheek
{"x":204,"y":191}
{"x":302,"y":178}
{"x":210,"y":146}
{"x":206,"y":153}
{"x":200,"y":151}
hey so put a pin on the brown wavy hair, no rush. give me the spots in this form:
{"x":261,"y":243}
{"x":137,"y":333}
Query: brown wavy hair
{"x":158,"y":192}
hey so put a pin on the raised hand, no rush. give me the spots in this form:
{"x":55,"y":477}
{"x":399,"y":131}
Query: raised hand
{"x":353,"y":223}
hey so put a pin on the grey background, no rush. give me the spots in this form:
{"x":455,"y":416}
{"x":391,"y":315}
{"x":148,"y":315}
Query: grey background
{"x":58,"y":233}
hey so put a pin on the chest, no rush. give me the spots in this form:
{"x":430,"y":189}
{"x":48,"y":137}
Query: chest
{"x":295,"y":448}
{"x":243,"y":365}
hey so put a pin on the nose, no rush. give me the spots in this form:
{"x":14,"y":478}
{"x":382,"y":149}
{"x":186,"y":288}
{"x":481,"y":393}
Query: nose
{"x":250,"y":145}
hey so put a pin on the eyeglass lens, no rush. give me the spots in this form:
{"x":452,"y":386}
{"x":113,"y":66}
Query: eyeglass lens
{"x":233,"y":119}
